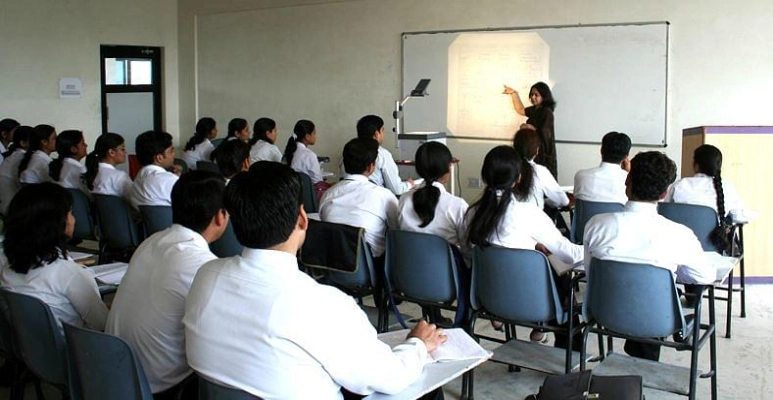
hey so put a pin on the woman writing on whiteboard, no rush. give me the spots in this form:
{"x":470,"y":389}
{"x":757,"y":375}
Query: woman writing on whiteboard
{"x":540,"y":118}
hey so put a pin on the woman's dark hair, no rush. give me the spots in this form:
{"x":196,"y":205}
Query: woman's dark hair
{"x":302,"y":129}
{"x":236,"y":125}
{"x":203,"y":128}
{"x":526,"y":143}
{"x":105,"y":142}
{"x":259,"y":130}
{"x":34,"y":227}
{"x":64,"y":144}
{"x":501,"y":170}
{"x":432,"y":162}
{"x":21,"y":134}
{"x":35,"y":143}
{"x":547,"y":95}
{"x":709,"y":161}
{"x":7,"y":125}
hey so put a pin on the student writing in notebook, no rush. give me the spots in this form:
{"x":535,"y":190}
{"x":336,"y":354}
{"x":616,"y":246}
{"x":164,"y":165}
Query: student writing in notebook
{"x":274,"y":337}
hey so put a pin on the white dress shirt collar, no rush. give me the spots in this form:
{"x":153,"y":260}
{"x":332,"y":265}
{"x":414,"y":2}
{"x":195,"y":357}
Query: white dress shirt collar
{"x":642,"y":206}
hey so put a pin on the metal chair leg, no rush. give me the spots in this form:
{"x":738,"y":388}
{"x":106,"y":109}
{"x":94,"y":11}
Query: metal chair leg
{"x":729,"y":317}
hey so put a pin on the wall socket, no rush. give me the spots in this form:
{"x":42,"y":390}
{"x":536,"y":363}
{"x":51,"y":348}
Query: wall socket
{"x":474,"y":183}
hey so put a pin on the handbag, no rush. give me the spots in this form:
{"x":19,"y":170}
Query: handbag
{"x":583,"y":385}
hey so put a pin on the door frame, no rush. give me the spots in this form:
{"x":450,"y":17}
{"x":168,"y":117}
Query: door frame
{"x":141,"y":52}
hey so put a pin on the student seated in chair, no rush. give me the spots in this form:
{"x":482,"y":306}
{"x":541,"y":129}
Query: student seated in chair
{"x":606,"y":183}
{"x":148,"y":308}
{"x":232,"y":157}
{"x":357,"y":201}
{"x":639,"y":234}
{"x":256,"y":323}
{"x":153,"y":183}
{"x":385,"y":173}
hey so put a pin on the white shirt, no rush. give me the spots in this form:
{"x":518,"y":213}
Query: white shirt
{"x":356,"y":201}
{"x":545,"y":189}
{"x":3,"y":149}
{"x":153,"y":187}
{"x":37,"y":169}
{"x":605,"y":183}
{"x":305,"y":160}
{"x":66,"y":287}
{"x":524,"y":225}
{"x":10,"y":166}
{"x":256,"y":323}
{"x":112,"y":181}
{"x":200,"y":152}
{"x":387,"y":174}
{"x":148,"y":309}
{"x":449,"y":216}
{"x":639,"y":234}
{"x":699,"y":189}
{"x":70,"y":176}
{"x":265,"y":151}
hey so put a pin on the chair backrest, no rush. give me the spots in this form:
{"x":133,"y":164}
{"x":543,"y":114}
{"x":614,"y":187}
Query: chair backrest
{"x":227,"y":245}
{"x":583,"y":212}
{"x":209,"y":390}
{"x":208,"y":166}
{"x":156,"y":218}
{"x":8,"y":189}
{"x":38,"y":337}
{"x":633,"y":299}
{"x":84,"y":218}
{"x":134,"y":166}
{"x":514,"y":284}
{"x":341,"y":251}
{"x":217,"y":142}
{"x":116,"y":225}
{"x":310,"y":203}
{"x":701,"y":219}
{"x":103,"y":366}
{"x":421,"y":267}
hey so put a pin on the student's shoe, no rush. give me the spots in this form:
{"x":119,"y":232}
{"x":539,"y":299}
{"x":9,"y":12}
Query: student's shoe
{"x":537,"y":336}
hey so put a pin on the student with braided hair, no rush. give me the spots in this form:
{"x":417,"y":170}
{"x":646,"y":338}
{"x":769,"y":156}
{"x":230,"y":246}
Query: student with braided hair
{"x":430,"y":208}
{"x":707,"y":188}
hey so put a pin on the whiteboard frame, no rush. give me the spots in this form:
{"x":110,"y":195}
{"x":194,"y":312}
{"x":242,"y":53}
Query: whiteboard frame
{"x":535,"y":27}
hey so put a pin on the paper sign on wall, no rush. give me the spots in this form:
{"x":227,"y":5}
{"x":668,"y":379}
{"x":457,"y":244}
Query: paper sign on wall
{"x":70,"y":88}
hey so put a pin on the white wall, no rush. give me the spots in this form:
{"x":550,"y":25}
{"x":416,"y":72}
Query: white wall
{"x":44,"y":40}
{"x":336,"y":61}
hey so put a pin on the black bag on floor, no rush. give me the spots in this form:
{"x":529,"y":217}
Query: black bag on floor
{"x":582,"y":386}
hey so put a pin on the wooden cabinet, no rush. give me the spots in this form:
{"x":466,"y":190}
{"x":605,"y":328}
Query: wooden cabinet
{"x":747,"y":153}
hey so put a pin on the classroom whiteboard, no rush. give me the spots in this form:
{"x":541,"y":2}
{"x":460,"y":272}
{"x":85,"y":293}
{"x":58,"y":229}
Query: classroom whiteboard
{"x":603,"y":77}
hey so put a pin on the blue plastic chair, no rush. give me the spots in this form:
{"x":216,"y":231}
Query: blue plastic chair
{"x":583,"y":212}
{"x":38,"y":338}
{"x":116,"y":225}
{"x":310,"y":203}
{"x":103,"y":366}
{"x":703,"y":220}
{"x":345,"y":260}
{"x":156,"y":218}
{"x":640,"y":301}
{"x":209,"y":390}
{"x":517,"y":287}
{"x":182,"y":164}
{"x":227,"y":245}
{"x":217,"y":142}
{"x":84,"y":217}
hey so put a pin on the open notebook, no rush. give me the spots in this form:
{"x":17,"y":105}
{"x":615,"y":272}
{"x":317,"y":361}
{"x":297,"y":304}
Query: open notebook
{"x":109,"y":274}
{"x":459,"y":346}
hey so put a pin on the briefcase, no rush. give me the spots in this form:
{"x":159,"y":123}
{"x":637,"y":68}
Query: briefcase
{"x":583,"y":385}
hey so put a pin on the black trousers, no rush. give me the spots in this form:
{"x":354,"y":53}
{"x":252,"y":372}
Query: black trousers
{"x":436,"y":394}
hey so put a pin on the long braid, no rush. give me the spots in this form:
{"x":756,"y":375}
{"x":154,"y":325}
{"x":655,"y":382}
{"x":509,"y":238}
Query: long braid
{"x":720,"y":236}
